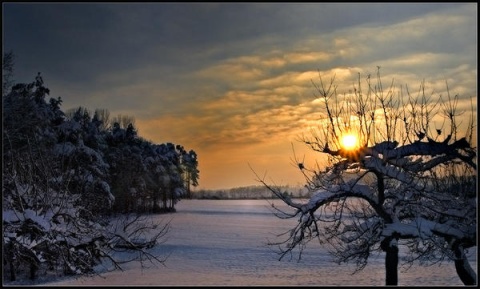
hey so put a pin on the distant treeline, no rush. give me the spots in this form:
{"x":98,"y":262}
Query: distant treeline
{"x":250,"y":192}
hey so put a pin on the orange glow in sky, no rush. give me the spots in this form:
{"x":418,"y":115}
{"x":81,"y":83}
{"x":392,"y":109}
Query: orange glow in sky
{"x":233,"y":81}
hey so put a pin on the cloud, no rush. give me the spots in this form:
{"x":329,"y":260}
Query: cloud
{"x":235,"y":79}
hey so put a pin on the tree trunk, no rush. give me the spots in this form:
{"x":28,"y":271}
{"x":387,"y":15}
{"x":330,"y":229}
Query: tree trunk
{"x":165,"y":199}
{"x":10,"y":259}
{"x":13,"y":275}
{"x":391,"y":261}
{"x":464,"y":270}
{"x":33,"y":270}
{"x":154,"y":201}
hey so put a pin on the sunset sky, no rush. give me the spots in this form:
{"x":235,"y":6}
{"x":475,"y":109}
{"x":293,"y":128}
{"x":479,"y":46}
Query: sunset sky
{"x":232,"y":81}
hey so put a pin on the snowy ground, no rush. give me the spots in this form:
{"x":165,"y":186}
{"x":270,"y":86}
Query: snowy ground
{"x":223,"y":242}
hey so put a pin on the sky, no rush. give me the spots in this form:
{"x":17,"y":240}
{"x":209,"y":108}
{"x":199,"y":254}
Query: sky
{"x":233,"y":81}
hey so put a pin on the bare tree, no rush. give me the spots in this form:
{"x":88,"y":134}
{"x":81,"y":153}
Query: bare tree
{"x":123,"y":120}
{"x":382,"y":191}
{"x":103,"y":115}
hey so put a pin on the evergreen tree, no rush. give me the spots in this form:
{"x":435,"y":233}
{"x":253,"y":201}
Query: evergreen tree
{"x":56,"y":188}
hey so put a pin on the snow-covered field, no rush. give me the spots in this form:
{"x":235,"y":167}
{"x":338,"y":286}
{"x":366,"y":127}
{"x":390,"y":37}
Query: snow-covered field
{"x":223,"y":242}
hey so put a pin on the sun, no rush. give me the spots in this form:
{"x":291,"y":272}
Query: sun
{"x":349,"y":142}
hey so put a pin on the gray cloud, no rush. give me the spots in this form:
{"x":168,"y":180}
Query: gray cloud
{"x":79,"y":41}
{"x":217,"y":76}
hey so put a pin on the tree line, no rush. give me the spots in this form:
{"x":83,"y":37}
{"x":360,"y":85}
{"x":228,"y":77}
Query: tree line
{"x":66,"y":175}
{"x":249,"y":192}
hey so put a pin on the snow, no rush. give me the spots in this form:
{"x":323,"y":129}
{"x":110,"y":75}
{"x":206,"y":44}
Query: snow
{"x":422,"y":227}
{"x":223,"y":242}
{"x":41,"y":220}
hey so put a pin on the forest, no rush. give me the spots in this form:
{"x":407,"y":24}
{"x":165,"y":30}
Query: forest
{"x":68,"y":174}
